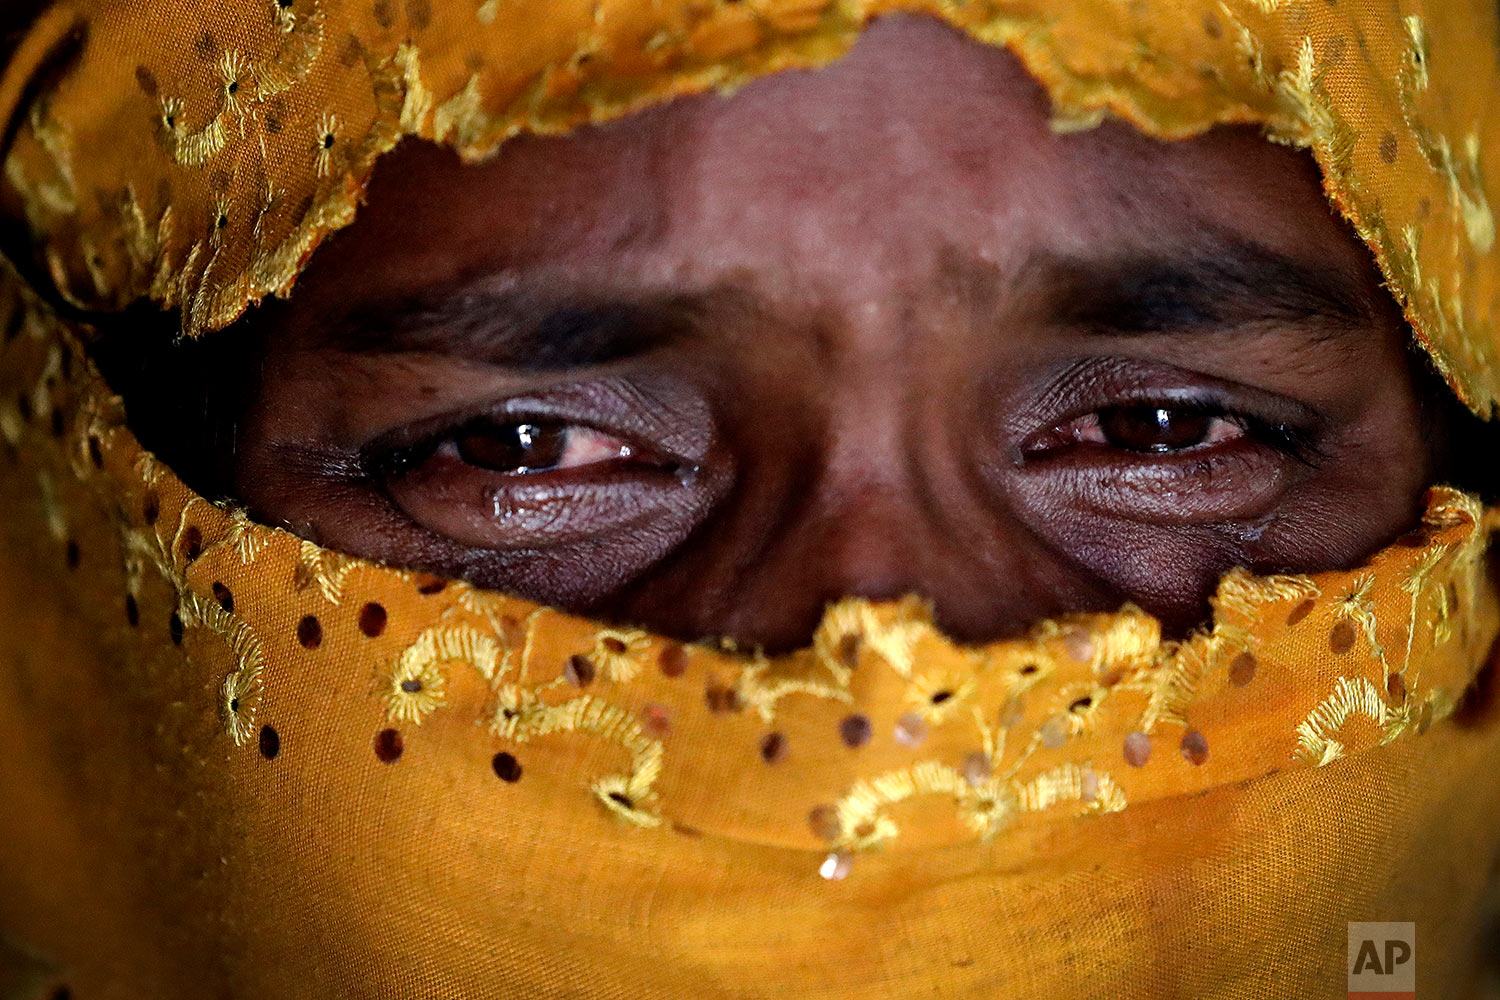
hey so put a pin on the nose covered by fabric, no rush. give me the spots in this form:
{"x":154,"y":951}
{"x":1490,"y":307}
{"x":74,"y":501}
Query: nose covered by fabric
{"x":247,"y":765}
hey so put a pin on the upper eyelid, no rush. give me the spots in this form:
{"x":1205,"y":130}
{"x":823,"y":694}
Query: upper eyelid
{"x":1200,"y":398}
{"x":1086,"y":384}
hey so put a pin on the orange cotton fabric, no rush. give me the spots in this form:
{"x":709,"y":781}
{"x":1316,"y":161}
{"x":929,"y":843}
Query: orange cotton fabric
{"x":235,"y":764}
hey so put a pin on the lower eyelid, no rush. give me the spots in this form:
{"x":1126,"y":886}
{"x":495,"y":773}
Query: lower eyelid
{"x":522,"y":512}
{"x":1228,"y":483}
{"x":1195,"y":469}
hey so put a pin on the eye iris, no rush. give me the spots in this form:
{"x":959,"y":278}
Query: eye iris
{"x":1154,"y":428}
{"x":512,"y":447}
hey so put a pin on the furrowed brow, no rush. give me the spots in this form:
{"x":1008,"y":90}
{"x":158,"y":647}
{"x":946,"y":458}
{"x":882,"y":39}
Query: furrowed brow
{"x":1234,"y":286}
{"x":530,"y":331}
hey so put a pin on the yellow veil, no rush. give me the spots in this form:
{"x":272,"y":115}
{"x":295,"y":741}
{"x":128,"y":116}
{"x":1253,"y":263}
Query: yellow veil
{"x":234,"y":764}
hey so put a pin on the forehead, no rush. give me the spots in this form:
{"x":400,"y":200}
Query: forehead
{"x":920,"y":140}
{"x":195,"y":158}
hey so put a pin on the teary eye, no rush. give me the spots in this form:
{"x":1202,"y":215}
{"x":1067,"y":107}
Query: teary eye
{"x":523,"y":447}
{"x":1144,"y":428}
{"x":1156,"y":428}
{"x":524,"y":480}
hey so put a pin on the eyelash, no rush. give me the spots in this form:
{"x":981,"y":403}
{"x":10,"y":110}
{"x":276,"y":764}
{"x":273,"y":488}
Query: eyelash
{"x":396,"y":462}
{"x":1296,"y":443}
{"x":1283,"y":437}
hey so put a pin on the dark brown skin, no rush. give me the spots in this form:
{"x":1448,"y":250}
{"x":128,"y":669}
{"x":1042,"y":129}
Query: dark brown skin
{"x":869,"y":330}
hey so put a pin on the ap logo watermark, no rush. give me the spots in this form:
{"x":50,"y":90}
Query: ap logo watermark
{"x":1382,"y":961}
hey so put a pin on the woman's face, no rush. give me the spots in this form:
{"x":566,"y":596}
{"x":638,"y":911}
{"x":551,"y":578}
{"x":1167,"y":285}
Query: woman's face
{"x":876,"y":330}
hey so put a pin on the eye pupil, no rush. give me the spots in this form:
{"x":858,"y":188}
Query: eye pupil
{"x":513,"y":447}
{"x":1154,"y":428}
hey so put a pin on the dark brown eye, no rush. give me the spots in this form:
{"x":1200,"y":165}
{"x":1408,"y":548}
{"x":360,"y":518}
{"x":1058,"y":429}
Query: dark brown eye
{"x":524,"y":447}
{"x":1143,"y":428}
{"x":1155,"y":428}
{"x":512,"y":447}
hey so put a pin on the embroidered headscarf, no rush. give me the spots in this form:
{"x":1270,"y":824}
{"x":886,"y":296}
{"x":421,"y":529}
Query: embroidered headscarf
{"x":233,"y":763}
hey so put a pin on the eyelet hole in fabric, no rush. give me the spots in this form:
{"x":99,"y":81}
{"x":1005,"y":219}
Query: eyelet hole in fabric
{"x":389,"y":746}
{"x":372,"y":619}
{"x":310,"y":632}
{"x":855,"y":731}
{"x":270,"y":743}
{"x":506,"y":767}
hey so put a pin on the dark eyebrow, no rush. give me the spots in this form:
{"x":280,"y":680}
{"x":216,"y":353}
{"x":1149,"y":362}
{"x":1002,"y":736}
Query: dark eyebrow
{"x":529,"y":330}
{"x":1234,"y":285}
